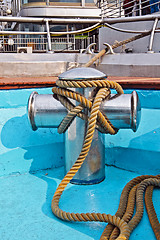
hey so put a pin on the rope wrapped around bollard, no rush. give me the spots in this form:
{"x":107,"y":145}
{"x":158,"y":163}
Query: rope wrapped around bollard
{"x":123,"y":222}
{"x":103,"y":91}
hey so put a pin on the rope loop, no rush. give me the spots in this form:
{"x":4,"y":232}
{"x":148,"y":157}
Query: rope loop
{"x":96,"y":119}
{"x":63,"y":94}
{"x":123,"y":222}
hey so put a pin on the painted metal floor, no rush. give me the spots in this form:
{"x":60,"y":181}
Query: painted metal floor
{"x":26,"y":213}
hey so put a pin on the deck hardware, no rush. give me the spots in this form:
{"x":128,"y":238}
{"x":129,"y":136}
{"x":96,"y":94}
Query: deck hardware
{"x":89,"y":49}
{"x":135,"y":188}
{"x":122,"y":110}
{"x":109,"y":48}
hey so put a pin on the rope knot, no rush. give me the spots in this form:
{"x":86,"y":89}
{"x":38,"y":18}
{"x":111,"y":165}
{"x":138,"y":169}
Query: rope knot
{"x":63,"y":94}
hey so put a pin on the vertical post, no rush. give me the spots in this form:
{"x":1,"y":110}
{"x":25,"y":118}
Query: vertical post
{"x":93,"y":169}
{"x":152,"y":35}
{"x":19,"y":5}
{"x":83,"y":3}
{"x":120,"y":8}
{"x":140,"y":7}
{"x":48,"y":37}
{"x":67,"y":45}
{"x":74,"y":42}
{"x":16,"y":7}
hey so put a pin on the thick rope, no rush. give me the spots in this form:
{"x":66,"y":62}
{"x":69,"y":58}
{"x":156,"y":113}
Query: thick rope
{"x":117,"y":227}
{"x":117,"y":44}
{"x":122,"y":224}
{"x":124,"y":200}
{"x":139,"y":200}
{"x":94,"y":115}
{"x":151,"y":212}
{"x":129,"y":211}
{"x":136,"y":37}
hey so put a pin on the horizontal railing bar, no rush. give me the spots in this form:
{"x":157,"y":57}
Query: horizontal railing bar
{"x":40,"y":43}
{"x":130,"y":19}
{"x":64,"y":21}
{"x":125,"y":30}
{"x":51,"y":20}
{"x":21,"y":32}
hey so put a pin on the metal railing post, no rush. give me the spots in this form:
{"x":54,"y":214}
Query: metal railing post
{"x":120,"y":8}
{"x":140,"y":7}
{"x":83,"y":3}
{"x":48,"y":36}
{"x":74,"y":42}
{"x":152,"y":36}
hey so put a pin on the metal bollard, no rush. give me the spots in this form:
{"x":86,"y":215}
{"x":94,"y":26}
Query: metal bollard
{"x":123,"y":111}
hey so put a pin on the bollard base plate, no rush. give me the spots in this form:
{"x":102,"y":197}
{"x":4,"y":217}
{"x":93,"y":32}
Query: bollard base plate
{"x":85,"y":182}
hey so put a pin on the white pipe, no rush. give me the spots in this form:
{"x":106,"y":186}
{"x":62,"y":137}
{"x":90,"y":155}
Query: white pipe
{"x":21,"y":32}
{"x":52,"y":20}
{"x":48,"y":36}
{"x":77,"y":31}
{"x":48,"y":33}
{"x":91,"y":21}
{"x":152,"y":35}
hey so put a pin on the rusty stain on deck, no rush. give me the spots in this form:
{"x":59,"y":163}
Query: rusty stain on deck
{"x":34,"y":82}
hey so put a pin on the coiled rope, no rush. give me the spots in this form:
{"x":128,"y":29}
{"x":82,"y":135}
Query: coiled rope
{"x":131,"y":194}
{"x":122,"y":223}
{"x":151,"y":212}
{"x":103,"y":91}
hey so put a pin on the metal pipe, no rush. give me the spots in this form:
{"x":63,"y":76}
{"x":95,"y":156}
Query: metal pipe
{"x":124,"y":30}
{"x":93,"y":169}
{"x":152,"y":35}
{"x":123,"y":111}
{"x":19,"y":5}
{"x":87,"y":20}
{"x":120,"y":8}
{"x":71,"y":32}
{"x":140,"y":8}
{"x":98,"y":22}
{"x":51,"y":20}
{"x":44,"y":111}
{"x":83,"y":3}
{"x":21,"y":33}
{"x":49,"y":33}
{"x":77,"y":31}
{"x":130,"y":19}
{"x":48,"y":36}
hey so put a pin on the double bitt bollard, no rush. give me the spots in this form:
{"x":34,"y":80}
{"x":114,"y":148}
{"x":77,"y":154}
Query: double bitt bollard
{"x":123,"y":111}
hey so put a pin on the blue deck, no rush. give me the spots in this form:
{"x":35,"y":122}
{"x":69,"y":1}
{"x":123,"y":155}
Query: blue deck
{"x":31,"y":167}
{"x":26,"y":213}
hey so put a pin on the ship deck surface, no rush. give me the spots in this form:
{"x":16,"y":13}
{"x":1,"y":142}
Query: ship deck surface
{"x":25,"y":206}
{"x":31,"y":167}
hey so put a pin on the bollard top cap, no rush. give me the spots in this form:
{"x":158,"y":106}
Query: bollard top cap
{"x":82,"y":73}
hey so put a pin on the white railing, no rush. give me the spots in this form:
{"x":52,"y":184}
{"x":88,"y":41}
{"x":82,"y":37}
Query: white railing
{"x":40,"y":43}
{"x":128,"y":8}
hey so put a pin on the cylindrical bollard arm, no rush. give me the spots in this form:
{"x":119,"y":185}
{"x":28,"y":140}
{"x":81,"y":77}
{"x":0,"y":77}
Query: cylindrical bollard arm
{"x":124,"y":111}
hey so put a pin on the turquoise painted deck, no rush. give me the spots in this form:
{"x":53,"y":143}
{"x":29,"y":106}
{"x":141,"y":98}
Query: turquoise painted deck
{"x":26,"y":213}
{"x":31,"y":167}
